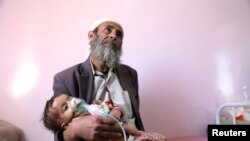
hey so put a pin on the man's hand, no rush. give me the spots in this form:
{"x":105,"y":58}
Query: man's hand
{"x":89,"y":127}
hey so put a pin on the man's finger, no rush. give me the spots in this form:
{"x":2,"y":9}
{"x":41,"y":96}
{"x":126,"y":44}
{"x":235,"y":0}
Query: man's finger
{"x":106,"y":120}
{"x":109,"y":128}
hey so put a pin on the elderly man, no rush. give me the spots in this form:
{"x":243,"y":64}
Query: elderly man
{"x":100,"y":77}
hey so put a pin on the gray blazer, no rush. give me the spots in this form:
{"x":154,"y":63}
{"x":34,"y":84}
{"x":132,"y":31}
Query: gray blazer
{"x":78,"y":81}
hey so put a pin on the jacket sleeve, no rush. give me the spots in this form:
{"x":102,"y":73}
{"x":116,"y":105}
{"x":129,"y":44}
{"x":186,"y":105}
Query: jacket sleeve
{"x":59,"y":86}
{"x":58,"y":136}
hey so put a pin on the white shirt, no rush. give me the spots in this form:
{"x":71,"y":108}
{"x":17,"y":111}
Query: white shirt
{"x":108,"y":86}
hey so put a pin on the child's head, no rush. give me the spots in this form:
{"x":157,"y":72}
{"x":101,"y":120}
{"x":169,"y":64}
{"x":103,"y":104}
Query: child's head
{"x":57,"y":112}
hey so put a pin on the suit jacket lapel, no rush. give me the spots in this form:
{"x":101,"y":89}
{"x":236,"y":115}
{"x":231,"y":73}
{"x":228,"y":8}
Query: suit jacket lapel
{"x":86,"y":81}
{"x":125,"y":81}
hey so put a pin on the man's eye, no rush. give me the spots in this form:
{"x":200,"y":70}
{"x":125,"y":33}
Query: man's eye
{"x":107,"y":30}
{"x":119,"y":34}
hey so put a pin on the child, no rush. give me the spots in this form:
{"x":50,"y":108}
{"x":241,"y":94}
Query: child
{"x":61,"y":109}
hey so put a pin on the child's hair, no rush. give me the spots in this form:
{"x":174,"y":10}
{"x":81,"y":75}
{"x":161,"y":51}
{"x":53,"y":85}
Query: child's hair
{"x":51,"y":119}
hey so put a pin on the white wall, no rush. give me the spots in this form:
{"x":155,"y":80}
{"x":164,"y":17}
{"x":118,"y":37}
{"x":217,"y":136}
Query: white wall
{"x":191,"y":55}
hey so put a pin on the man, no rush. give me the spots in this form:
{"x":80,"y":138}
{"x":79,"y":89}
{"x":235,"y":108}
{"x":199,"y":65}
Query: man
{"x":101,"y":77}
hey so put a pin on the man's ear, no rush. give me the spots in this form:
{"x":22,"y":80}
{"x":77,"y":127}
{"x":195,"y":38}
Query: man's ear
{"x":91,"y":35}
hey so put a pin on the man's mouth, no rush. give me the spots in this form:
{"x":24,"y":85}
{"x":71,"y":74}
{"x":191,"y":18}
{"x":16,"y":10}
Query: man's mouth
{"x":110,"y":43}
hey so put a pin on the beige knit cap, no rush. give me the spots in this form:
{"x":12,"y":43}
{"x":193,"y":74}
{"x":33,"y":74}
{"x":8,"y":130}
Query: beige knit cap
{"x":102,"y":20}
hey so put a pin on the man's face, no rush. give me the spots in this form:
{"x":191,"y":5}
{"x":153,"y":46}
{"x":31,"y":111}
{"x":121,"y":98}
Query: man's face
{"x":106,"y":44}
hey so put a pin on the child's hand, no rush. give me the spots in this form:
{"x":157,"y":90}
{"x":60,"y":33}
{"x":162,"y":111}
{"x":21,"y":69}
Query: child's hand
{"x":98,"y":102}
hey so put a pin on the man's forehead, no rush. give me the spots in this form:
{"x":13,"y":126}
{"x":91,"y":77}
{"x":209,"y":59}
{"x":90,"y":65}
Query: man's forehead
{"x":111,"y":24}
{"x":100,"y":21}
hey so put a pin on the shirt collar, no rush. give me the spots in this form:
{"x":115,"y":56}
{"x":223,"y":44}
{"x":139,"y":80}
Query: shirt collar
{"x":95,"y":72}
{"x":92,"y":67}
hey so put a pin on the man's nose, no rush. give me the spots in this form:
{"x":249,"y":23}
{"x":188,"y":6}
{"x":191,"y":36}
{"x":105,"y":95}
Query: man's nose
{"x":113,"y":35}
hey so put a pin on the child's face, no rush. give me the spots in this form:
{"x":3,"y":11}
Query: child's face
{"x":62,"y":107}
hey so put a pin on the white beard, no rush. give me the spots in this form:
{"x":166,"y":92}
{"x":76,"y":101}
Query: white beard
{"x":106,"y":54}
